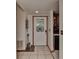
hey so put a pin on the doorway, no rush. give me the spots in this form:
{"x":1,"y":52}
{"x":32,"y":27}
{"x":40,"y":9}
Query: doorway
{"x":40,"y":30}
{"x":56,"y":31}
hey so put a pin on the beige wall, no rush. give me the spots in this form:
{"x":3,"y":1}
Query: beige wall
{"x":50,"y":31}
{"x":30,"y":28}
{"x":61,"y":28}
{"x":20,"y":27}
{"x":21,"y":31}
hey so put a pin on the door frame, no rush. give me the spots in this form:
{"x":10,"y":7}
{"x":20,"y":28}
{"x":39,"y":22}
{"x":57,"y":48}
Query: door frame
{"x":33,"y":29}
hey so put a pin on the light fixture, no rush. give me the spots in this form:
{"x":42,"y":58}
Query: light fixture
{"x":36,"y":11}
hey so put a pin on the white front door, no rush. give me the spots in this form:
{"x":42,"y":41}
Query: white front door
{"x":40,"y":28}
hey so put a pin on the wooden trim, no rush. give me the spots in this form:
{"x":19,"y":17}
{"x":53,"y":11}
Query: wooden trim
{"x":47,"y":29}
{"x":33,"y":28}
{"x":23,"y":51}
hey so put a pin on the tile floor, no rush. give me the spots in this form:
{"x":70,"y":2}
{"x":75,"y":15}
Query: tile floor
{"x":41,"y":52}
{"x":56,"y":54}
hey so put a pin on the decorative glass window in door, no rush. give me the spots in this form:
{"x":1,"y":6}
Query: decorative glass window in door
{"x":40,"y":25}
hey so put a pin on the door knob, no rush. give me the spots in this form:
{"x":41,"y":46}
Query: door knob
{"x":61,"y":32}
{"x":45,"y":30}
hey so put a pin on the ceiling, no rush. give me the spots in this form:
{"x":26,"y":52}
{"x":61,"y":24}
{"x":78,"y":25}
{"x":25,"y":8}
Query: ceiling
{"x":43,"y":6}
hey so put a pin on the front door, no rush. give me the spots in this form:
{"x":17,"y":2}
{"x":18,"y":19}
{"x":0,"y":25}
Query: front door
{"x":40,"y":30}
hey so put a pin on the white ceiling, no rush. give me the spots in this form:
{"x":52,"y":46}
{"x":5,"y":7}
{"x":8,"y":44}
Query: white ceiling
{"x":43,"y":6}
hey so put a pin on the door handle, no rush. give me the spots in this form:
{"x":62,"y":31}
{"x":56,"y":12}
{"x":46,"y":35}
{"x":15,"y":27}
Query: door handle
{"x":45,"y":30}
{"x":61,"y":32}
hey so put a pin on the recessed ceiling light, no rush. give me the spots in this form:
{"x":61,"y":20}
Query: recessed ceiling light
{"x":36,"y":12}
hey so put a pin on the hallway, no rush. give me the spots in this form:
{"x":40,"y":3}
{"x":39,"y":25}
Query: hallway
{"x":40,"y":52}
{"x":37,"y":25}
